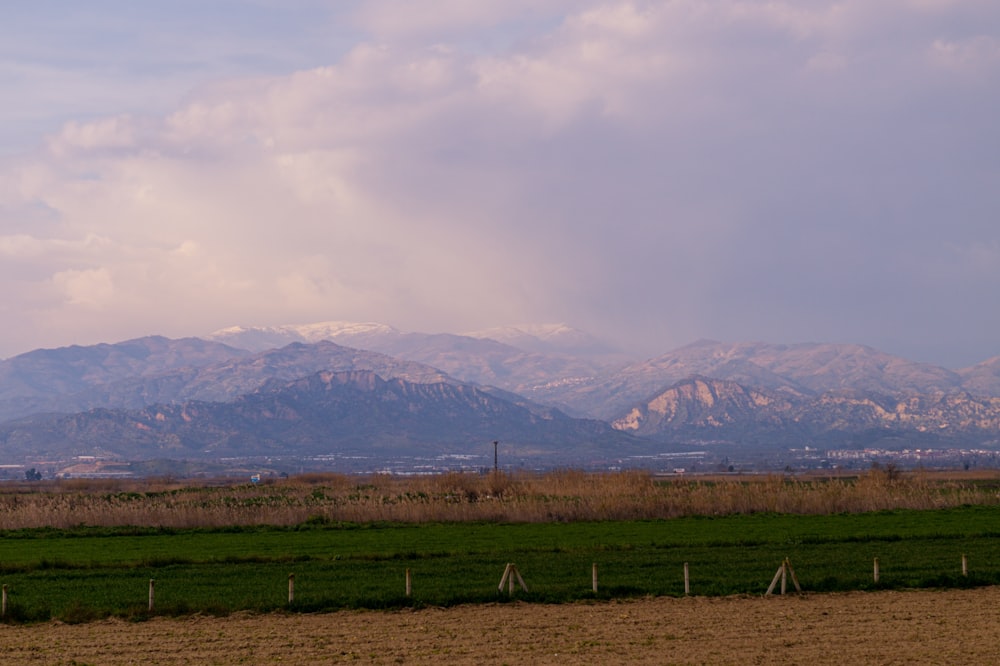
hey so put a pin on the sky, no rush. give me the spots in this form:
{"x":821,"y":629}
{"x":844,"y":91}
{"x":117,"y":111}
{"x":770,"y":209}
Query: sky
{"x":653,"y":173}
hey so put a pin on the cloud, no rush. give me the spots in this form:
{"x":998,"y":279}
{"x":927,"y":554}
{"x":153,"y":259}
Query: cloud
{"x":106,"y":134}
{"x":430,"y":21}
{"x":90,"y":288}
{"x":655,"y":172}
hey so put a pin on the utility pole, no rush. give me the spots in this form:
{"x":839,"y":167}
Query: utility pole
{"x":496,"y":466}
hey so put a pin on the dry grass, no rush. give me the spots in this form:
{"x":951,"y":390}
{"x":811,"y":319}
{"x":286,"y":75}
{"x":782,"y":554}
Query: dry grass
{"x":559,"y":496}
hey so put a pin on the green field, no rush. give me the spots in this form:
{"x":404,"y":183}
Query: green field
{"x":85,"y":573}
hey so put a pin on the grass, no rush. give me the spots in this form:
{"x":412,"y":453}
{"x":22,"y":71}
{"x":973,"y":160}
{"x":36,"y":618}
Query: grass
{"x":90,"y":572}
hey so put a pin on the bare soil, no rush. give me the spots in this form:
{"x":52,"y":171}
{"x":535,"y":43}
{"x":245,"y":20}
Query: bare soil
{"x":912,"y":627}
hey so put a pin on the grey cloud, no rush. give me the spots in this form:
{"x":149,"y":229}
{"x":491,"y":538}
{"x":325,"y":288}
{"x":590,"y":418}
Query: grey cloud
{"x":654,"y":172}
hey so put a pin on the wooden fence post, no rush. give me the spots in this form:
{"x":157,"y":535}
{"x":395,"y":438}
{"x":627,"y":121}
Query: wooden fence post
{"x":965,"y":565}
{"x":291,"y":587}
{"x":782,"y":574}
{"x":504,"y":577}
{"x":791,"y":573}
{"x":3,"y":611}
{"x":152,"y":595}
{"x":593,"y":577}
{"x":509,"y":574}
{"x":687,"y":579}
{"x":409,"y":584}
{"x":774,"y":581}
{"x":875,"y":571}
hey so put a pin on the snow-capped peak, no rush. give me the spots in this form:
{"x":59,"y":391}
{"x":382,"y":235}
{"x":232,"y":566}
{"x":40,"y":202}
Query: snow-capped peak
{"x":258,"y":338}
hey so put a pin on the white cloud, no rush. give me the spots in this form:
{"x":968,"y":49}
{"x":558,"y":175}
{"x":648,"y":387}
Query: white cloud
{"x":90,"y":288}
{"x":107,"y":133}
{"x":21,"y":245}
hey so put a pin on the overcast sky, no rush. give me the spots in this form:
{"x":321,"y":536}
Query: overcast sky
{"x":650,"y":172}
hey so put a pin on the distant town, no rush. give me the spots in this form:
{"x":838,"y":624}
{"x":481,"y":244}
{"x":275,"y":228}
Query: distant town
{"x":685,"y":463}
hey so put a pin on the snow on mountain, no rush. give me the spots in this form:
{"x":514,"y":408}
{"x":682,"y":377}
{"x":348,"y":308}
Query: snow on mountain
{"x":259,"y":338}
{"x":547,"y":339}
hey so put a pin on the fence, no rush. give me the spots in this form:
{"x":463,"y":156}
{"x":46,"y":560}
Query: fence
{"x":511,"y":575}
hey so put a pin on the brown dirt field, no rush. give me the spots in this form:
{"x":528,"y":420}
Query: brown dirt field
{"x":913,"y":627}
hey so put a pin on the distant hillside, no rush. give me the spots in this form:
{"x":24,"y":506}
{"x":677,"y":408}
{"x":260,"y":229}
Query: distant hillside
{"x":718,"y":409}
{"x":61,"y":379}
{"x":983,"y":378}
{"x":231,"y":375}
{"x":794,"y":370}
{"x":323,"y":413}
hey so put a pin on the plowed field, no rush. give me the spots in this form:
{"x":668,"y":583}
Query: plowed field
{"x":929,"y":627}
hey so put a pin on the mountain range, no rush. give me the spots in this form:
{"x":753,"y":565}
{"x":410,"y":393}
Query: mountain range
{"x":551,"y":393}
{"x":346,"y":413}
{"x":541,"y":355}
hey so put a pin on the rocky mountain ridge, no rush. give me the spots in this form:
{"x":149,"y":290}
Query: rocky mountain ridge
{"x":721,"y":409}
{"x":324,"y":413}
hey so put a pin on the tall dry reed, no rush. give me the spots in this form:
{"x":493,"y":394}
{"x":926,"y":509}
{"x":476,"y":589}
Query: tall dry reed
{"x":558,"y":496}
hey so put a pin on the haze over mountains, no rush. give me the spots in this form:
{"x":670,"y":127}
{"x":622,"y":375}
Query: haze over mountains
{"x":801,"y":369}
{"x":543,"y":353}
{"x":552,"y":394}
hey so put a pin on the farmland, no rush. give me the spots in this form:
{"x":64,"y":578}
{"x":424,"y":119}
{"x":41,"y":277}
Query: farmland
{"x":887,"y":627}
{"x":224,"y":548}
